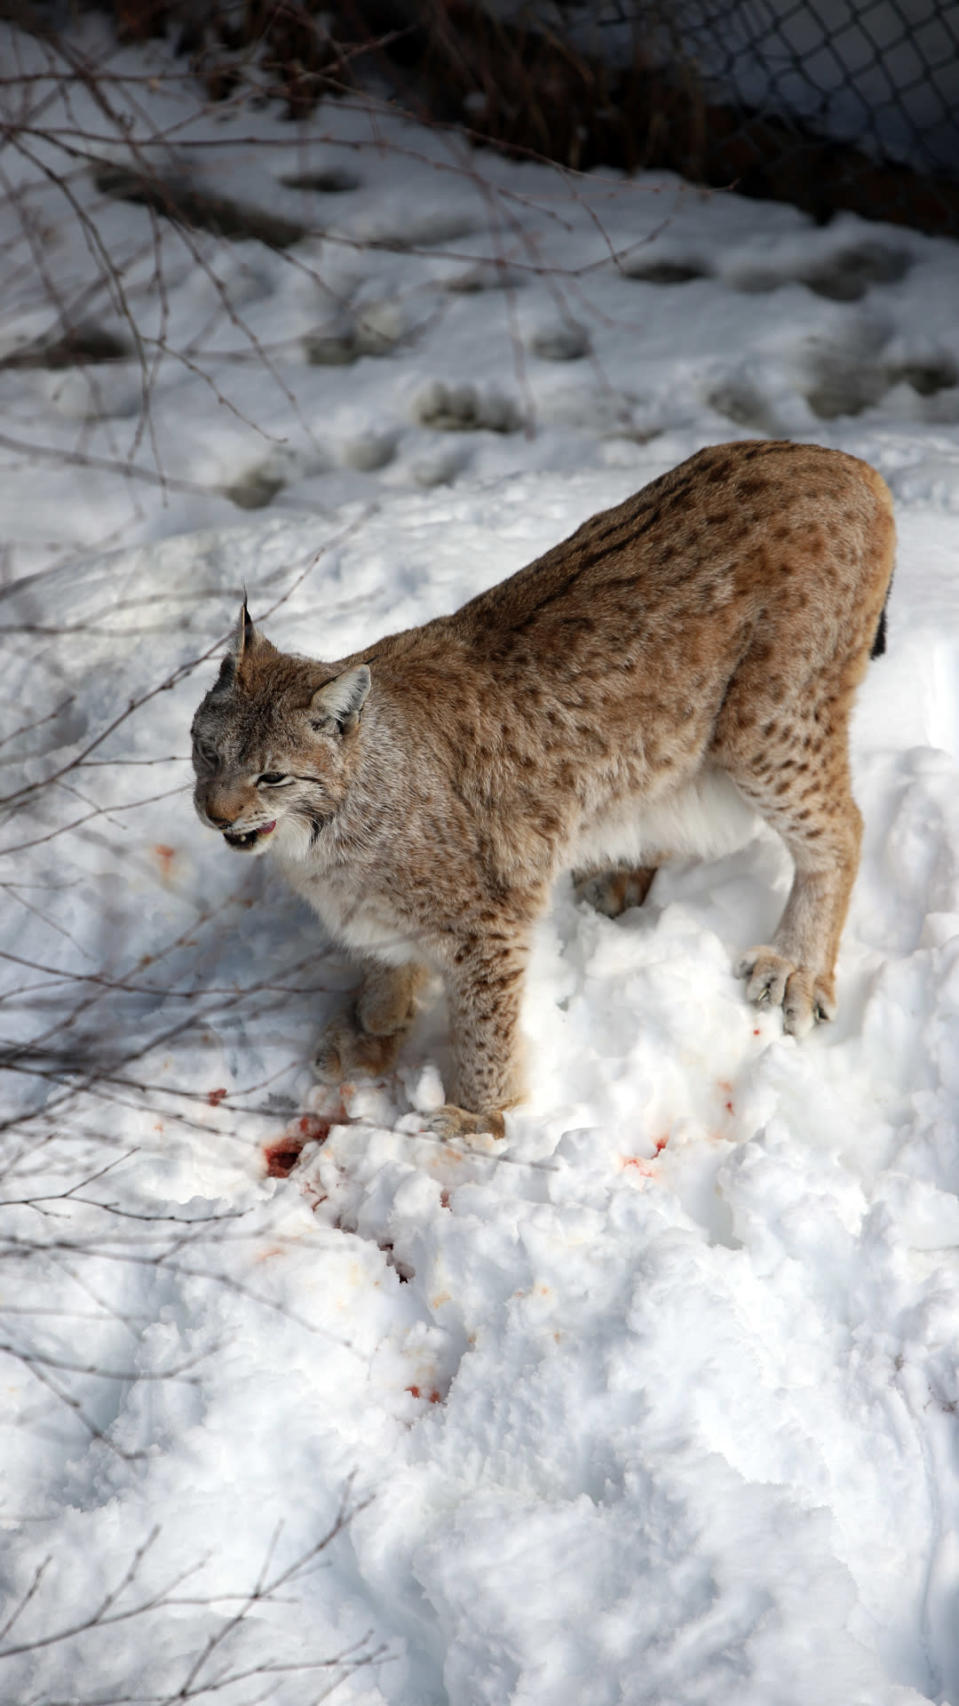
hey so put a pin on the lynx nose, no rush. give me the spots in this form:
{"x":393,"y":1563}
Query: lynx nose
{"x":222,"y":806}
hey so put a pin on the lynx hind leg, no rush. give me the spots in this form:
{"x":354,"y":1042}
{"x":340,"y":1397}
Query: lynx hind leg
{"x":802,"y":789}
{"x":797,"y":970}
{"x":614,"y":892}
{"x":368,"y":1041}
{"x":783,"y":731}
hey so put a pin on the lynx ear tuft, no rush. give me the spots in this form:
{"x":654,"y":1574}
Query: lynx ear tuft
{"x":340,"y":701}
{"x":248,"y":647}
{"x":246,"y":636}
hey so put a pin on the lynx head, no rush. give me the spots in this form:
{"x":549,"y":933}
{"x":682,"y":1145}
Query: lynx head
{"x":274,"y":743}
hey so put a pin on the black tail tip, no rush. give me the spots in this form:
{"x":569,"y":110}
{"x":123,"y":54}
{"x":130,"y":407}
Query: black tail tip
{"x":879,"y":643}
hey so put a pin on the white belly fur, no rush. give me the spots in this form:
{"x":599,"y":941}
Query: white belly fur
{"x":360,"y":924}
{"x":354,"y":920}
{"x":363,"y":929}
{"x":703,"y":819}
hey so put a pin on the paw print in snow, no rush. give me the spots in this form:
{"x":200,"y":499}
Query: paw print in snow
{"x":462,"y":408}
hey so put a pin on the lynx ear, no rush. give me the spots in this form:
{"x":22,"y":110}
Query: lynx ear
{"x":227,"y":674}
{"x":340,"y":701}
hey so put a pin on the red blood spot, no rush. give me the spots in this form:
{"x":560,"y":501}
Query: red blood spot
{"x":281,"y":1158}
{"x":756,"y":1033}
{"x":433,"y":1396}
{"x":283,"y":1155}
{"x":313,"y":1129}
{"x":165,"y":854}
{"x":215,"y":1097}
{"x":640,"y":1165}
{"x":444,"y":1199}
{"x":661,"y":1143}
{"x":729,"y":1107}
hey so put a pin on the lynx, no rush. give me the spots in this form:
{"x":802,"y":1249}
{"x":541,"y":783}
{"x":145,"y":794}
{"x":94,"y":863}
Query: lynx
{"x":679,"y":668}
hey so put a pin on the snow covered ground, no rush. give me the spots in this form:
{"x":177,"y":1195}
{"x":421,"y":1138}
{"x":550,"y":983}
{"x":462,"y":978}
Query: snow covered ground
{"x":657,"y":1402}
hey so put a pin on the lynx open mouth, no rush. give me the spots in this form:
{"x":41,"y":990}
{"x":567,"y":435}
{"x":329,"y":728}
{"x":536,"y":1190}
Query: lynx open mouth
{"x":250,"y":839}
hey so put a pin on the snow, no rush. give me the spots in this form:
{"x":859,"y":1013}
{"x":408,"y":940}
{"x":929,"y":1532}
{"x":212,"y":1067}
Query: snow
{"x":655,"y":1402}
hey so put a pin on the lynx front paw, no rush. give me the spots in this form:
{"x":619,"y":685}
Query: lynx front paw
{"x":346,"y":1052}
{"x":449,"y":1121}
{"x":773,"y":981}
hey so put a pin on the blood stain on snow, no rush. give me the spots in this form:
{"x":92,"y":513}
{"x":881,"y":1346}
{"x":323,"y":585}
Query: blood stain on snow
{"x":215,"y":1097}
{"x":281,"y":1158}
{"x":283,"y":1155}
{"x":164,"y":857}
{"x":643,"y":1165}
{"x":433,"y":1396}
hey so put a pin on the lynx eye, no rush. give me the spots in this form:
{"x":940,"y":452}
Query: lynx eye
{"x":271,"y":779}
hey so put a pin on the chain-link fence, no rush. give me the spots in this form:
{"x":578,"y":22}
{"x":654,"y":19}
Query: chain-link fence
{"x":825,"y":103}
{"x":878,"y":75}
{"x":831,"y":103}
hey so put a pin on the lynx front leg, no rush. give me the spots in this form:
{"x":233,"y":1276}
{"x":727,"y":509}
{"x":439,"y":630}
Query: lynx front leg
{"x":484,"y":992}
{"x":368,"y":1041}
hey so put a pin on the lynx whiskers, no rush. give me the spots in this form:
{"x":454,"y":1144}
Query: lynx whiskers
{"x":683,"y":664}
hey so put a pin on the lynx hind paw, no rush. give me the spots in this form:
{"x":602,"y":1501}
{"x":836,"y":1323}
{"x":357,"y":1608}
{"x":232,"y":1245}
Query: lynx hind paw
{"x":773,"y":981}
{"x":449,"y":1122}
{"x":344,"y":1052}
{"x":613,"y":892}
